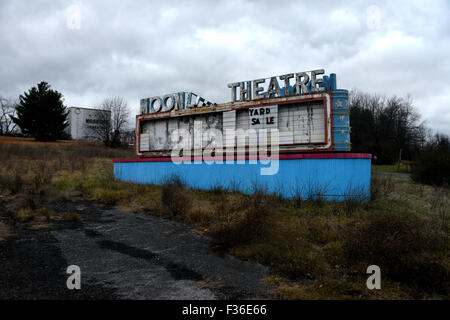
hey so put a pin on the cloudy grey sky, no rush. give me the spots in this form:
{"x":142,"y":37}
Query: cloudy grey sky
{"x":90,"y":50}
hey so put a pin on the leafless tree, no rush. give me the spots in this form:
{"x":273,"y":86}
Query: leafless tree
{"x":386,"y":126}
{"x":110,"y":124}
{"x":7,"y":110}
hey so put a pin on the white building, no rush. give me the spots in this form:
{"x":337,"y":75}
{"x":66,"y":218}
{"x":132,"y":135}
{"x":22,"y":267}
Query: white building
{"x":83,"y":121}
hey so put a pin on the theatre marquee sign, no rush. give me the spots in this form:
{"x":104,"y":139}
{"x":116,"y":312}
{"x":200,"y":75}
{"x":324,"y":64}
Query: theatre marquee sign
{"x":298,"y":105}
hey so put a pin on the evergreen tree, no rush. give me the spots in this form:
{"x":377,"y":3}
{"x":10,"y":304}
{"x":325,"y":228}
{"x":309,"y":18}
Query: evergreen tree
{"x":41,"y":113}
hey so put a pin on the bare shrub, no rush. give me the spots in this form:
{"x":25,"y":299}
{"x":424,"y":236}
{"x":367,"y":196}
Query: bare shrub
{"x":298,"y":260}
{"x":316,"y":193}
{"x":175,"y":198}
{"x":355,"y":197}
{"x":223,"y":206}
{"x":17,"y":184}
{"x":406,"y":248}
{"x":218,"y":189}
{"x":440,"y":206}
{"x":78,"y":163}
{"x":42,"y":175}
{"x":297,"y":195}
{"x":106,"y":173}
{"x":13,"y":183}
{"x":199,"y":216}
{"x":279,"y":193}
{"x":380,"y":185}
{"x":234,"y":185}
{"x":432,"y":164}
{"x":248,"y":220}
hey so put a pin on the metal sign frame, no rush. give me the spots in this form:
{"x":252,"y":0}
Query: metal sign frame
{"x":325,"y":96}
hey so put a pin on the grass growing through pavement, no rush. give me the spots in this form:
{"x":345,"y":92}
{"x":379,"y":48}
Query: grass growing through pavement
{"x":317,"y":250}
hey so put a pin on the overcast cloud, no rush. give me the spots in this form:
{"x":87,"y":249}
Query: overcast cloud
{"x":138,"y":49}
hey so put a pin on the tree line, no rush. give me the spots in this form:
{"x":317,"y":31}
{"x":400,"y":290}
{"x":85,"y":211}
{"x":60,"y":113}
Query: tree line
{"x":388,"y":127}
{"x":391,"y":129}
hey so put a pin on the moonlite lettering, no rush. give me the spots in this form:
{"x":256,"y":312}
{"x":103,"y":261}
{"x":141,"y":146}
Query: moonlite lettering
{"x":173,"y":101}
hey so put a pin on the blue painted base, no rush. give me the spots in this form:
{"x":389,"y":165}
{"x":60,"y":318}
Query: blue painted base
{"x":330,"y":178}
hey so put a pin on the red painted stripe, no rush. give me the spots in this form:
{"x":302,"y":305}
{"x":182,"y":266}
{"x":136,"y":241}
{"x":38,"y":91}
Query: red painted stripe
{"x":281,"y":157}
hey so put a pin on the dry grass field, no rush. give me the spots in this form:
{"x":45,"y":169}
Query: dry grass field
{"x":316,"y":249}
{"x":33,"y":142}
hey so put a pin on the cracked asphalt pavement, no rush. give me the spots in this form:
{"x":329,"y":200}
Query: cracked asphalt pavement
{"x":121,"y":255}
